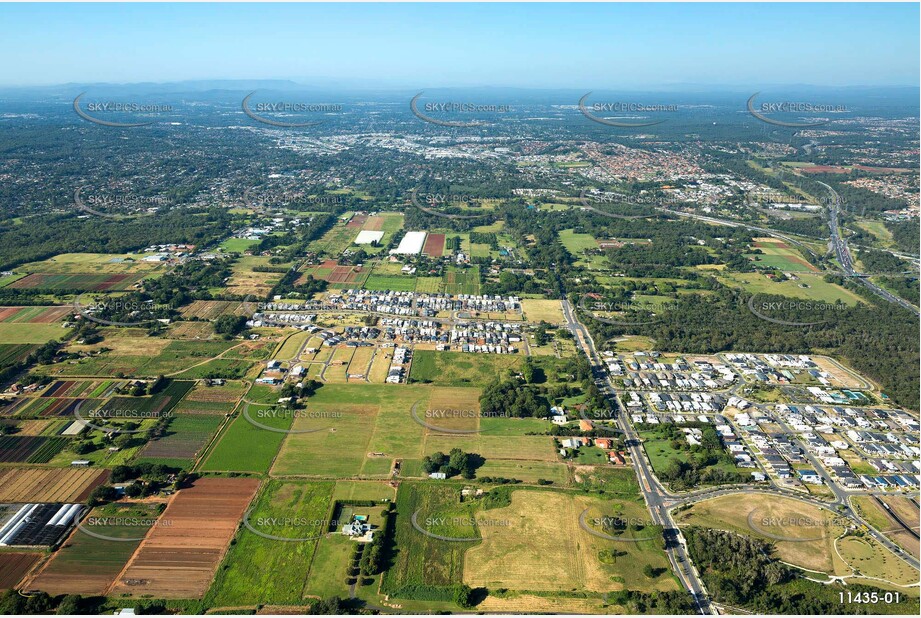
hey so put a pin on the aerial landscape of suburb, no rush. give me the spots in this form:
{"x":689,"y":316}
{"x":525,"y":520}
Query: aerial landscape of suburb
{"x":378,"y":309}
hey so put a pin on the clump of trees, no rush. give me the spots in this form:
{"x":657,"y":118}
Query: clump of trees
{"x":511,"y":398}
{"x":454,"y":463}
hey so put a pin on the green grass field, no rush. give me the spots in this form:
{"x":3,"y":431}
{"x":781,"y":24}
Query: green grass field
{"x":396,"y":283}
{"x":424,"y":565}
{"x":354,"y":420}
{"x":576,"y":243}
{"x":811,"y":287}
{"x":30,"y":333}
{"x":265,"y":570}
{"x":462,"y":280}
{"x":238,"y":245}
{"x":429,"y":285}
{"x":527,"y":471}
{"x":244,"y":447}
{"x":461,"y":368}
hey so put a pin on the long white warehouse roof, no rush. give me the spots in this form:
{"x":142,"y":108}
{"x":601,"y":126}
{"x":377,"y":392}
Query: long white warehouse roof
{"x":411,"y":244}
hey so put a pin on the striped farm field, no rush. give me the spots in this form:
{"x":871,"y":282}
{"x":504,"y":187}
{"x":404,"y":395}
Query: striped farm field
{"x":34,"y":315}
{"x":47,"y":407}
{"x":87,"y":564}
{"x":778,"y":254}
{"x":76,"y":281}
{"x":29,"y":449}
{"x":77,"y":388}
{"x":49,"y":485}
{"x":14,"y":566}
{"x":184,"y":437}
{"x":179,"y":561}
{"x":14,"y":352}
{"x":212,"y":309}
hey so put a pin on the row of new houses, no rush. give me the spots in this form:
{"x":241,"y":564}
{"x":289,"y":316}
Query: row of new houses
{"x":397,"y":372}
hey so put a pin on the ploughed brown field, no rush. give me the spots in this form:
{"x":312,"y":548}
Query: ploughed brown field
{"x":13,"y":566}
{"x":357,"y":221}
{"x":434,"y":245}
{"x":179,"y":560}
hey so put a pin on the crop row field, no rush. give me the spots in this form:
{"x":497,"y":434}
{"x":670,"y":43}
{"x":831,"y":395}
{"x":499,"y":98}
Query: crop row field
{"x":14,"y":566}
{"x":76,"y":281}
{"x":34,"y":315}
{"x":11,"y":353}
{"x":179,"y":561}
{"x":182,"y":441}
{"x":49,"y":407}
{"x":78,"y":388}
{"x":100,"y":263}
{"x":29,"y":449}
{"x":49,"y":485}
{"x":775,"y":253}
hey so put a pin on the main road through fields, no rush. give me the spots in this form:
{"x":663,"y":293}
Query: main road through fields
{"x":653,"y":492}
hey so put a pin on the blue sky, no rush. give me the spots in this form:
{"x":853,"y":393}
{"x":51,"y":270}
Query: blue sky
{"x":413,"y":45}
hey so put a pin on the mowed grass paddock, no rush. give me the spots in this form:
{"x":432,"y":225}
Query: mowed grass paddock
{"x":536,"y":310}
{"x":461,"y":368}
{"x":264,"y":570}
{"x":358,"y":429}
{"x":245,"y":446}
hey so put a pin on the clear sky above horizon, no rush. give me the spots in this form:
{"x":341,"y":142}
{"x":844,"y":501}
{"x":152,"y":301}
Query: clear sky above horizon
{"x":411,"y":45}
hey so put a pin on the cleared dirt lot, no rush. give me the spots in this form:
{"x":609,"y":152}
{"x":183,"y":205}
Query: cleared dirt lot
{"x":57,"y":485}
{"x":179,"y":561}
